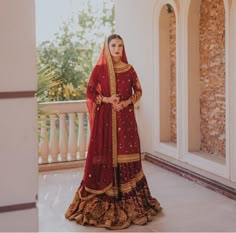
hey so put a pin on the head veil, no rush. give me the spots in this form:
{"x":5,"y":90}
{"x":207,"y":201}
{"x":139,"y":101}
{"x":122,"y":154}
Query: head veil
{"x":102,"y":150}
{"x":104,"y":67}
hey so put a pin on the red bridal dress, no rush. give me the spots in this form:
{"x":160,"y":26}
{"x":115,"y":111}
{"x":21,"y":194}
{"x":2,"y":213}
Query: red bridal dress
{"x":114,"y":192}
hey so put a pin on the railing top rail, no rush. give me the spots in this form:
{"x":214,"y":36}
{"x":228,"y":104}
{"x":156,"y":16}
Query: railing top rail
{"x":71,"y":106}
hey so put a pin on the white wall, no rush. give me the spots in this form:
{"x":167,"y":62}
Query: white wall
{"x":134,"y":24}
{"x":136,"y":21}
{"x":18,"y":129}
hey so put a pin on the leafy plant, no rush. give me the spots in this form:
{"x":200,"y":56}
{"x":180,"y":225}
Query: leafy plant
{"x":47,"y":78}
{"x":75,"y":48}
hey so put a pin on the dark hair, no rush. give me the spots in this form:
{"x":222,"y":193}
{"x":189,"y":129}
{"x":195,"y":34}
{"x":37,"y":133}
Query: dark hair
{"x":113,"y":36}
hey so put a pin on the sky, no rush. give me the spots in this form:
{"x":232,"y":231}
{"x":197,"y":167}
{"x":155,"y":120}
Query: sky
{"x":51,"y":13}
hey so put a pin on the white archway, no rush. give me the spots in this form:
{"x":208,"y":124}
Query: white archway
{"x":190,"y":144}
{"x":158,"y":38}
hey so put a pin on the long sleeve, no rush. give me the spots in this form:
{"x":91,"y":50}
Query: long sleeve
{"x":136,"y":88}
{"x":92,"y":91}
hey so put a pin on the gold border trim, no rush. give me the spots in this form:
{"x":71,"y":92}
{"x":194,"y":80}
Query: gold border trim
{"x":128,"y":158}
{"x":112,"y":192}
{"x":127,"y":187}
{"x":112,"y":79}
{"x":94,"y":191}
{"x":122,"y":67}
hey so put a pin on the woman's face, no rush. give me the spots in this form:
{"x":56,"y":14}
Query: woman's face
{"x":116,"y":47}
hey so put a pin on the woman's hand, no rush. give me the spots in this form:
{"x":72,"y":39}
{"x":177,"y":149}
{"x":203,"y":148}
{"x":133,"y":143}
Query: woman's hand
{"x":119,"y":106}
{"x":114,"y":99}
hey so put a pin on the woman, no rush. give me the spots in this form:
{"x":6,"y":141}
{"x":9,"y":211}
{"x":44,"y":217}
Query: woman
{"x":114,"y":192}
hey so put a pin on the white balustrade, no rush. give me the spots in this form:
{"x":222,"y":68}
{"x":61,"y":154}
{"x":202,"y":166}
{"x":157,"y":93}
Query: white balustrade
{"x":63,"y":143}
{"x":53,"y":142}
{"x":72,"y":137}
{"x":43,"y":143}
{"x":62,"y":118}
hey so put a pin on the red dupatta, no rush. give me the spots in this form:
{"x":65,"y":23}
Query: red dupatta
{"x":102,"y":152}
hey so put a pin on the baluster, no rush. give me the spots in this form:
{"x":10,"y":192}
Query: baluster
{"x":72,"y":137}
{"x":53,"y":142}
{"x":81,"y":137}
{"x":43,"y":144}
{"x":63,"y":143}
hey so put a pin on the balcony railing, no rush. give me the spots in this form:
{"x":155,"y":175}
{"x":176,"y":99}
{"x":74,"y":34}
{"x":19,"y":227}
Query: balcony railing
{"x":64,"y":131}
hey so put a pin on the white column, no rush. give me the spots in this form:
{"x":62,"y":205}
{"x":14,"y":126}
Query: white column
{"x":81,"y":137}
{"x":43,"y":143}
{"x":72,"y":137}
{"x":63,"y":143}
{"x":18,"y":124}
{"x":53,"y":142}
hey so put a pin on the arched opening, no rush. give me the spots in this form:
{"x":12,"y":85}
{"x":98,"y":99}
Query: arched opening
{"x":167,"y":75}
{"x":206,"y":79}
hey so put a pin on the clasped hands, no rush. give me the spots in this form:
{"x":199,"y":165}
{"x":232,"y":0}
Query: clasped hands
{"x":117,"y":105}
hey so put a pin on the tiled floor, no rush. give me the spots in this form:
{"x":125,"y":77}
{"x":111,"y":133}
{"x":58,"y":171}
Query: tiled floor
{"x":187,"y":206}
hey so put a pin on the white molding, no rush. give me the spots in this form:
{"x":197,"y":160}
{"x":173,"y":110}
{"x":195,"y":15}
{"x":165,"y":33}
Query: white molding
{"x":227,"y":87}
{"x":232,"y":85}
{"x":167,"y":149}
{"x":206,"y":164}
{"x":157,"y":145}
{"x":184,"y":74}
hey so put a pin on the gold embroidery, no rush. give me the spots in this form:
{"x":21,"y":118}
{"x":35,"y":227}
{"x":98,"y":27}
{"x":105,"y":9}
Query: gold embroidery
{"x":94,"y":191}
{"x":121,"y":67}
{"x":128,"y":158}
{"x":112,"y":79}
{"x":87,"y":197}
{"x":138,"y":92}
{"x":112,"y":215}
{"x":127,"y":187}
{"x":135,"y":97}
{"x":112,"y":192}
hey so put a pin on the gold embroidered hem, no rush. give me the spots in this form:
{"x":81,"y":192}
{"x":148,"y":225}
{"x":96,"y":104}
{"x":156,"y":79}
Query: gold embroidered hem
{"x":115,"y":212}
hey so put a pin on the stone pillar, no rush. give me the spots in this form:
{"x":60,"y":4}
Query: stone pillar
{"x":18,"y":119}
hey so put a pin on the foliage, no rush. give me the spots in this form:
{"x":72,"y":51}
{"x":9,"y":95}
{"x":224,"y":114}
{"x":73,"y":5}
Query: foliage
{"x":75,"y":48}
{"x":47,"y":78}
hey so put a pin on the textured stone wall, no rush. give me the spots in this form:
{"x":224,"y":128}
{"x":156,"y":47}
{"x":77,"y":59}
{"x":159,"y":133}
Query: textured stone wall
{"x":173,"y":76}
{"x":212,"y":80}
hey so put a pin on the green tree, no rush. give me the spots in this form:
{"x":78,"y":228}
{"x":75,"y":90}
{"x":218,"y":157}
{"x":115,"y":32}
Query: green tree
{"x":75,"y":49}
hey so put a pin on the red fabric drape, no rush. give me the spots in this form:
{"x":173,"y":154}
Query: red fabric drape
{"x":98,"y":173}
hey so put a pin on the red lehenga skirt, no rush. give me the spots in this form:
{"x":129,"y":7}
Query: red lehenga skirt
{"x":128,"y":200}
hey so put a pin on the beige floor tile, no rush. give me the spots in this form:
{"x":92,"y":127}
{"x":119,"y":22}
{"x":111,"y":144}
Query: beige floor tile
{"x":187,"y":206}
